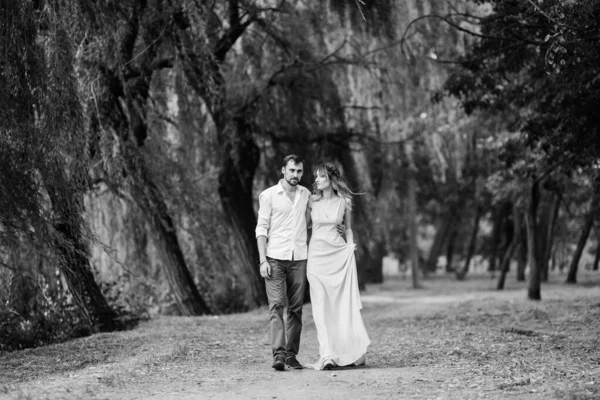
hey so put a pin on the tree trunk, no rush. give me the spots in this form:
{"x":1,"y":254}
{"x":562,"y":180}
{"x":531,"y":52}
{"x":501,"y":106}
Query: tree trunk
{"x":472,"y":244}
{"x":144,"y":191}
{"x":585,"y":232}
{"x":412,"y":216}
{"x":597,"y":257}
{"x":450,"y":250}
{"x":75,"y":265}
{"x":240,"y":157}
{"x":522,"y":253}
{"x":515,"y":242}
{"x":504,"y":266}
{"x":548,"y":219}
{"x":175,"y":268}
{"x":31,"y":97}
{"x":239,"y":153}
{"x":122,"y":113}
{"x":496,"y":236}
{"x":534,"y":288}
{"x":371,"y":245}
{"x":441,"y":235}
{"x":81,"y":282}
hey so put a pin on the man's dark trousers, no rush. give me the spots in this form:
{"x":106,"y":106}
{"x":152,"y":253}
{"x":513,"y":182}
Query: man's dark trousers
{"x":290,"y":274}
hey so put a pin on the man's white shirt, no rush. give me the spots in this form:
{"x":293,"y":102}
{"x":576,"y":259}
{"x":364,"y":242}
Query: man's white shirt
{"x":283,"y":222}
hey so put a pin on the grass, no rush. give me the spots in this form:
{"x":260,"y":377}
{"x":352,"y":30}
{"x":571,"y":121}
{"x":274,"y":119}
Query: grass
{"x":500,"y":340}
{"x":449,"y":340}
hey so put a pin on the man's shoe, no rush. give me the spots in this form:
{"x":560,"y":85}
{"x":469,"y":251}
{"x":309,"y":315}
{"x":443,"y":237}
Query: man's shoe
{"x":279,"y":363}
{"x":293,"y":363}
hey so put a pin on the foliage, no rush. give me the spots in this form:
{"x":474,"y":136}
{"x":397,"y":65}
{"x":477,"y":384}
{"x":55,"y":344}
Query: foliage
{"x":38,"y":314}
{"x":41,"y":310}
{"x":22,"y":144}
{"x":539,"y":60}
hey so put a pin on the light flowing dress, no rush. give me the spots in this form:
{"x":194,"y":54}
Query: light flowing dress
{"x":334,"y":294}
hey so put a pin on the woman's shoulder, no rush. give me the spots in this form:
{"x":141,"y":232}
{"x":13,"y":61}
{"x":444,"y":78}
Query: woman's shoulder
{"x":347,"y":201}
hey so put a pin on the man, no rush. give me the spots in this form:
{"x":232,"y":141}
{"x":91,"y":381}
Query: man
{"x":281,"y":237}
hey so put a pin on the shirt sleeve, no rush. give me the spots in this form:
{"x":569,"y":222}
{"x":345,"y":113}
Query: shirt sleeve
{"x":264,"y":214}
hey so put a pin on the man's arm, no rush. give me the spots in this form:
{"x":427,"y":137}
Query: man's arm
{"x":341,"y":229}
{"x":265,"y":267}
{"x":262,"y":230}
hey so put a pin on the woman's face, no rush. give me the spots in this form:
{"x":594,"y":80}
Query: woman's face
{"x":322,"y":181}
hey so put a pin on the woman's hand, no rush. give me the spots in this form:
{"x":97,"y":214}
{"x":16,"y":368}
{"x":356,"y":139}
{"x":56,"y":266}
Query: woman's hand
{"x":341,"y":228}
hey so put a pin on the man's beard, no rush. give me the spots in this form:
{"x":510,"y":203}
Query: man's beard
{"x":293,"y":181}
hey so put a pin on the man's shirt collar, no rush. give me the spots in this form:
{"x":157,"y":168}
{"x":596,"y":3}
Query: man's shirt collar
{"x":280,"y":189}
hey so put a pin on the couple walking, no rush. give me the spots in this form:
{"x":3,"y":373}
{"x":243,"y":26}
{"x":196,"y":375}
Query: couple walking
{"x":286,"y":210}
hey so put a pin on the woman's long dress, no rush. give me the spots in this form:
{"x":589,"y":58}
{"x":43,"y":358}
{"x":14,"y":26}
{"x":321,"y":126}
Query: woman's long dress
{"x":334,"y":294}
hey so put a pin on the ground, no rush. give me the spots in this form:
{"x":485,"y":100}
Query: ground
{"x":449,"y":340}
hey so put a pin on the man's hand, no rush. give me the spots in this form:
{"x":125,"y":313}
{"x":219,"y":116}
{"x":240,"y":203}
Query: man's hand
{"x":265,"y":269}
{"x":341,"y":228}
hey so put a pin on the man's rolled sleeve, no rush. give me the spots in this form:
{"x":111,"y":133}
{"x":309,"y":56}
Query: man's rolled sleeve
{"x":264,"y":214}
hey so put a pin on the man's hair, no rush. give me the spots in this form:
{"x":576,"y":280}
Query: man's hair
{"x":292,"y":157}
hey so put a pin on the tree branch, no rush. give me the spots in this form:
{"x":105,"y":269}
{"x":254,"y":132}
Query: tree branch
{"x":453,"y":24}
{"x":538,"y":9}
{"x":236,"y":29}
{"x":13,"y":269}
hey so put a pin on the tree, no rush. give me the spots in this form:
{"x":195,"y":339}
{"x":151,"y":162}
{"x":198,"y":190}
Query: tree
{"x":538,"y":61}
{"x":43,"y":148}
{"x":585,"y":231}
{"x":120,"y":53}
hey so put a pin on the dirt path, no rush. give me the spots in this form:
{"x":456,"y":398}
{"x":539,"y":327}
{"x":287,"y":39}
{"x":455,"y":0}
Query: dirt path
{"x":451,"y":341}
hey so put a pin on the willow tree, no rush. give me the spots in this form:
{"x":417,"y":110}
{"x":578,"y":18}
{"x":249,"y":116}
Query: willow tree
{"x":126,"y":45}
{"x":121,"y":47}
{"x":43,"y":150}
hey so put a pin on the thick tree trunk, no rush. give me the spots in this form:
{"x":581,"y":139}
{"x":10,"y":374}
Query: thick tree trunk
{"x":534,"y":288}
{"x":75,"y":266}
{"x":472,"y":244}
{"x":145,"y":192}
{"x":123,"y":113}
{"x":368,"y":234}
{"x":412,"y":216}
{"x":239,"y":153}
{"x":81,"y":282}
{"x":20,"y":21}
{"x":585,"y":232}
{"x":240,"y":157}
{"x":175,"y":268}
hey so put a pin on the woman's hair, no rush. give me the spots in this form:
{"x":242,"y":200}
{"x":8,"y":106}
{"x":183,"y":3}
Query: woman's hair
{"x":339,"y":186}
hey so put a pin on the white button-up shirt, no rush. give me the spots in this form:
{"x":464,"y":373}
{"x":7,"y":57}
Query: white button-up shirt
{"x":283,"y":222}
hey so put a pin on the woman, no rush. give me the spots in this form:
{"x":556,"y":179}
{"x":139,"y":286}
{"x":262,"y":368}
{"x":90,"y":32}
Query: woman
{"x":331,"y":272}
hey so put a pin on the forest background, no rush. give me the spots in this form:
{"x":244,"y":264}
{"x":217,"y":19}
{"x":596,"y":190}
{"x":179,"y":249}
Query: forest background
{"x":136,"y":135}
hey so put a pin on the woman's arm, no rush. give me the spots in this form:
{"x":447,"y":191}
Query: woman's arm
{"x":348,"y":223}
{"x":308,"y":220}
